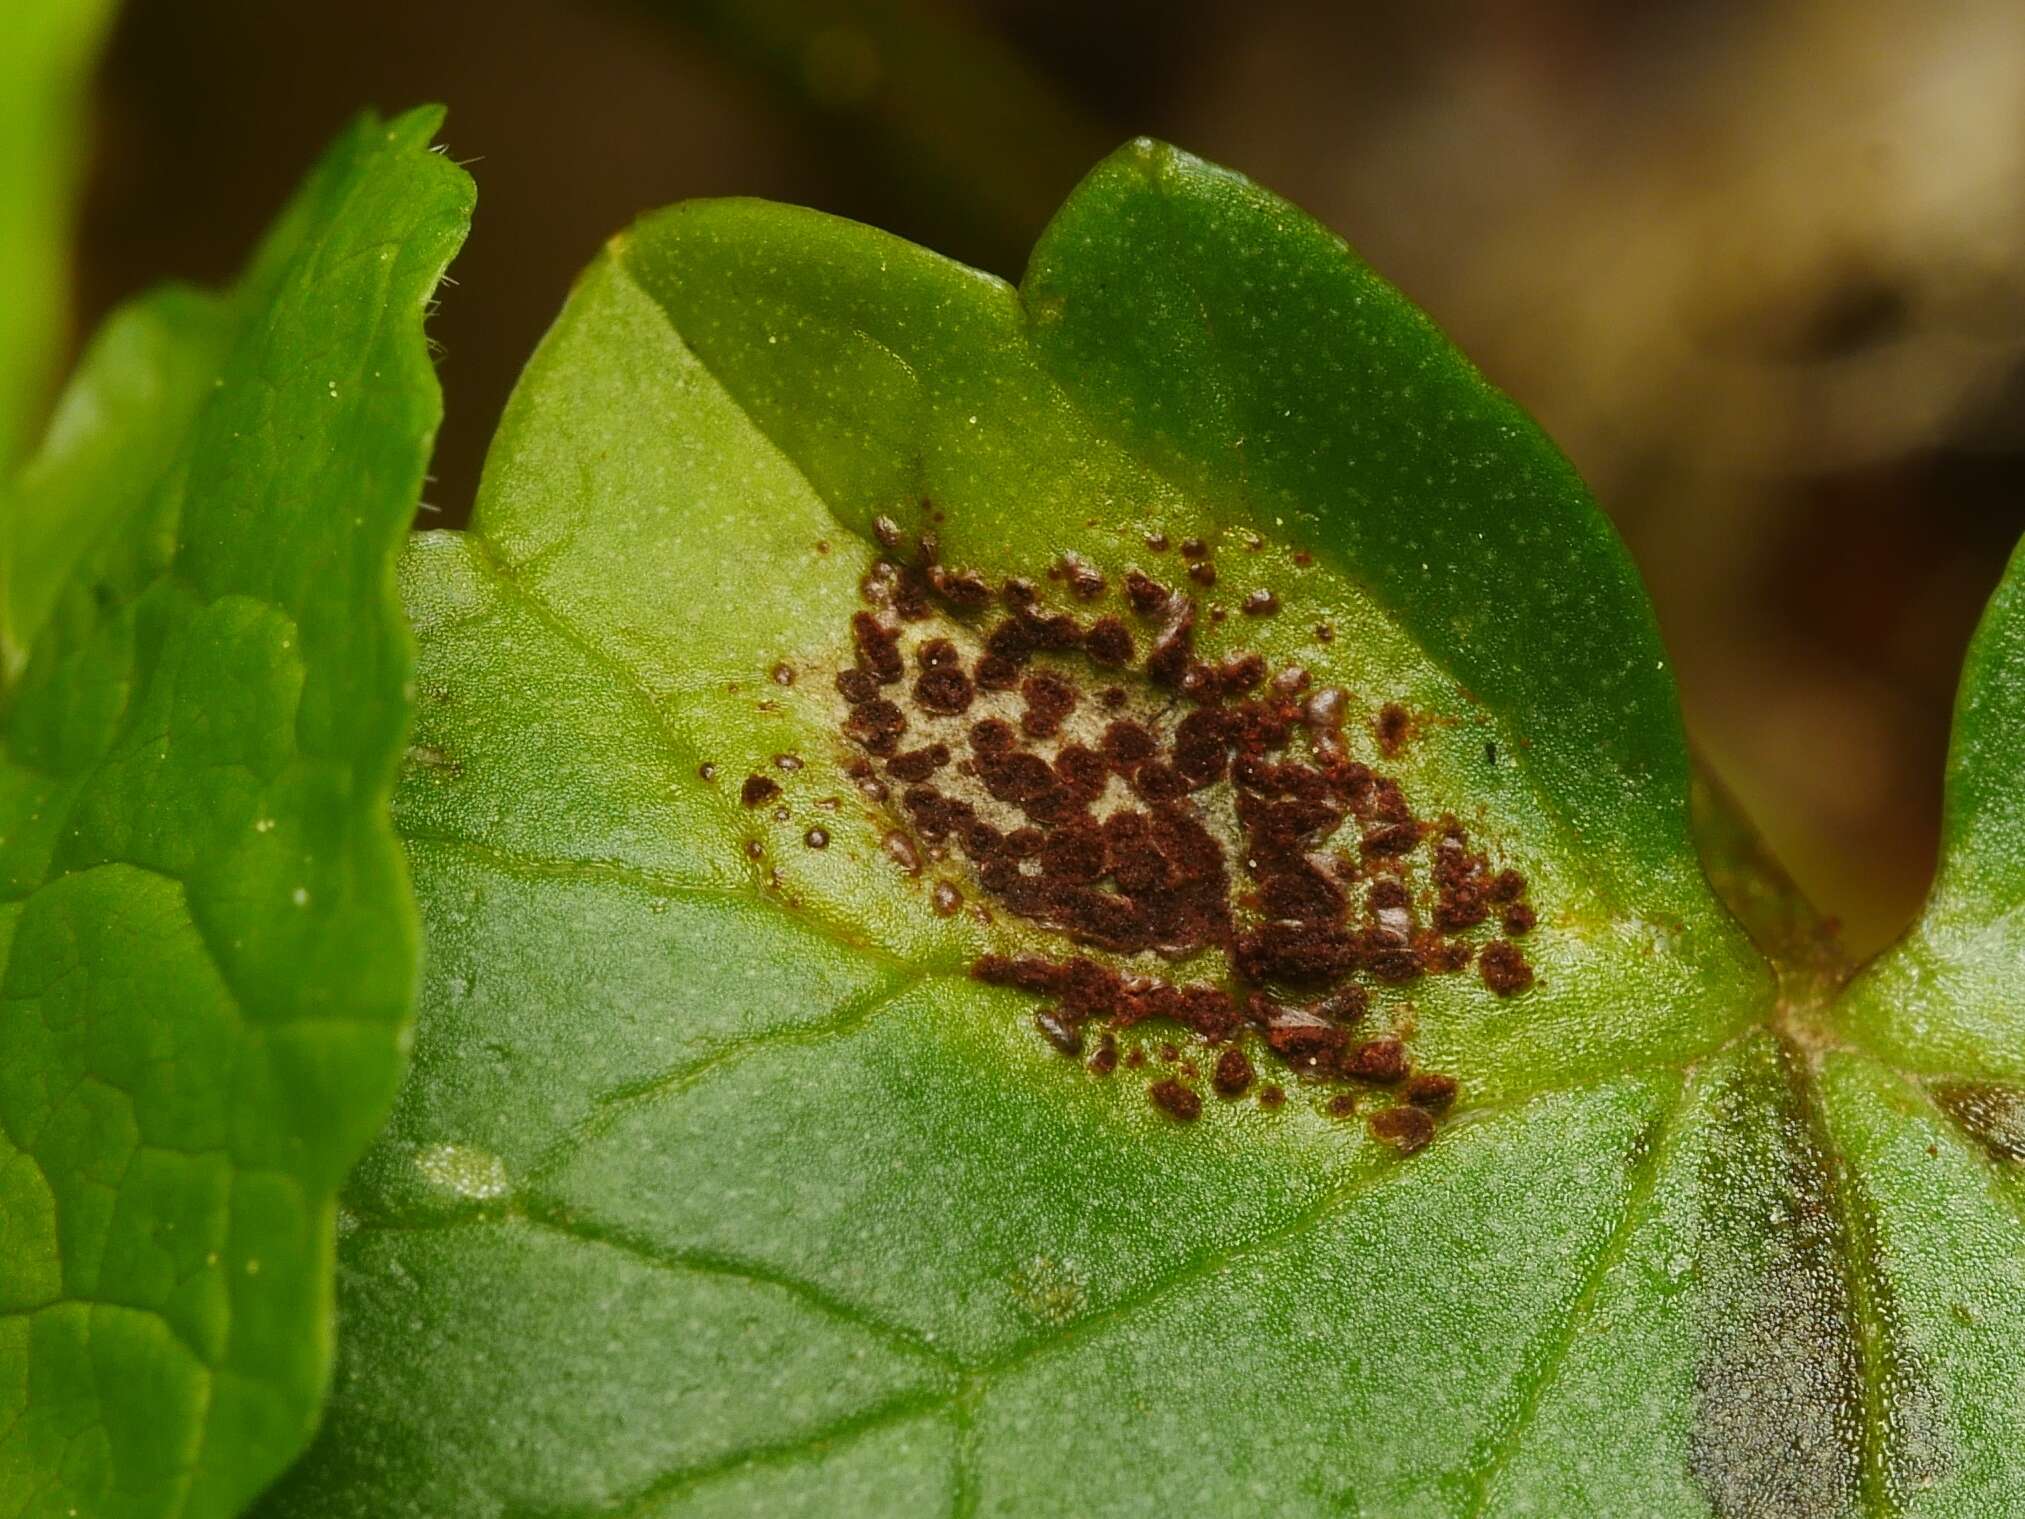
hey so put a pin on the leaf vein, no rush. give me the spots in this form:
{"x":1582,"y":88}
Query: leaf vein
{"x":763,"y":1454}
{"x":1502,"y":1446}
{"x":606,"y":1106}
{"x":530,"y":866}
{"x":898,"y":1336}
{"x":1203,"y":1267}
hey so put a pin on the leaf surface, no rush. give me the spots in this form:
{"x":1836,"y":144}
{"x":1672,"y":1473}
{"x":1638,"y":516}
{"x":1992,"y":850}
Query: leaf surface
{"x":1926,"y":1100}
{"x":728,"y":1179}
{"x":207,"y":951}
{"x":1945,"y":999}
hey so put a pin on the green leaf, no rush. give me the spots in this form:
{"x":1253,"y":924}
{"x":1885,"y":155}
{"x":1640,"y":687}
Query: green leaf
{"x":207,"y":951}
{"x":1946,"y":999}
{"x":43,"y":70}
{"x":1928,"y":1101}
{"x":50,"y":44}
{"x":722,"y":1184}
{"x":117,"y":431}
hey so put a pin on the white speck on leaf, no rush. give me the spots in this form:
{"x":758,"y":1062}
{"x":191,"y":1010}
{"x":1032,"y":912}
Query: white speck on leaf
{"x":464,"y":1169}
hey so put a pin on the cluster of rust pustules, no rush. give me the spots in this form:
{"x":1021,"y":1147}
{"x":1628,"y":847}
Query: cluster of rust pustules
{"x":1077,"y":800}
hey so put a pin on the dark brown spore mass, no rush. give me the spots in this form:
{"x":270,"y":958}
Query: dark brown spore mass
{"x":857,"y":686}
{"x":758,"y":790}
{"x":876,"y":726}
{"x":1503,"y":966}
{"x":1405,"y":1127}
{"x":945,"y":692}
{"x":918,"y":764}
{"x":878,"y":648}
{"x":1394,"y":723}
{"x":1175,"y":1100}
{"x":1428,"y":1090}
{"x":1211,"y":803}
{"x":1109,"y":642}
{"x":1105,"y":1061}
{"x":1146,"y":594}
{"x":960,"y":588}
{"x":1378,"y":1060}
{"x":1233,"y":1075}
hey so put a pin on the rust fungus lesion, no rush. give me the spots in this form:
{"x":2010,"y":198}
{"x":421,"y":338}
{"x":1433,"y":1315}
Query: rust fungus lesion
{"x":1092,"y":772}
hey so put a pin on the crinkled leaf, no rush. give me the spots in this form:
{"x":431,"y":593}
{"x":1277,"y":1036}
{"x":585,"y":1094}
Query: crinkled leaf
{"x":722,"y":1185}
{"x":117,"y":430}
{"x":209,"y":951}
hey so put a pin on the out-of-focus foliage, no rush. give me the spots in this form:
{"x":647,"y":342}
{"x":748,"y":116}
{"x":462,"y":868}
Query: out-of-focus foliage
{"x":45,"y":59}
{"x":207,"y":944}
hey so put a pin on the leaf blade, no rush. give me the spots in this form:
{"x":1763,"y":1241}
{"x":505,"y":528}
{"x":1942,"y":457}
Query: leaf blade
{"x":210,"y":951}
{"x":1925,"y":1106}
{"x":1943,"y":1000}
{"x":1633,"y":1273}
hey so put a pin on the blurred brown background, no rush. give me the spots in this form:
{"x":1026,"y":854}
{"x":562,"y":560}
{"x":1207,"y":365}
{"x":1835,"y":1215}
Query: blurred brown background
{"x":1760,"y":267}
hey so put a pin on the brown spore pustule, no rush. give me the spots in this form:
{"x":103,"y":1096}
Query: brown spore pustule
{"x":1176,"y":1100}
{"x":1406,"y":1128}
